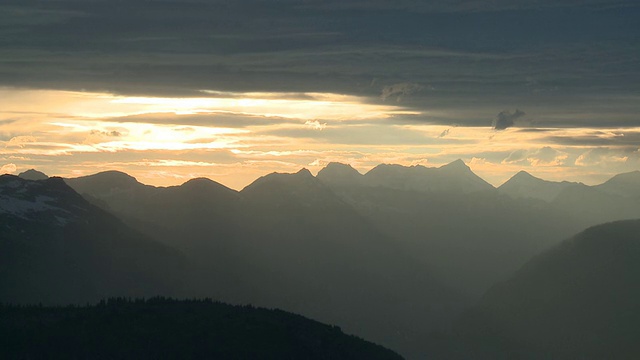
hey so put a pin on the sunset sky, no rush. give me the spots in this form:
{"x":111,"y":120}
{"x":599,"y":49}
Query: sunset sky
{"x":168,"y":90}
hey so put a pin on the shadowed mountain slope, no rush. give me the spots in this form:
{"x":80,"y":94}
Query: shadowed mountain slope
{"x":578,"y":300}
{"x":288,"y":241}
{"x":454,"y":177}
{"x":469,"y":240}
{"x":525,"y":185}
{"x":55,"y":247}
{"x":625,"y":185}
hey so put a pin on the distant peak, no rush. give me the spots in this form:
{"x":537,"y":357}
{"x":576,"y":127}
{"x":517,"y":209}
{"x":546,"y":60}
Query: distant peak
{"x":337,"y":165}
{"x":119,"y":175}
{"x":633,"y":175}
{"x":304,"y":172}
{"x":523,"y":175}
{"x":201,"y":181}
{"x":336,"y":168}
{"x":106,"y":180}
{"x":33,"y":174}
{"x":457,"y":165}
{"x":338,"y":173}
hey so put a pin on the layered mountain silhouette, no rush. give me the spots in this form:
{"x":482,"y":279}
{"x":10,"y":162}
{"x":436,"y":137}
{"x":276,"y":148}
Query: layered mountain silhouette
{"x":578,"y":300}
{"x":470,"y":239}
{"x":287,"y":241}
{"x":525,"y":185}
{"x":33,"y":174}
{"x":625,"y":185}
{"x":391,"y":255}
{"x":55,"y":247}
{"x":455,"y":177}
{"x":167,"y":329}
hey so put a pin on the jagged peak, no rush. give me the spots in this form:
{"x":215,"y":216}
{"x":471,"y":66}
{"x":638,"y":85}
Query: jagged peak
{"x":341,"y":166}
{"x":387,"y":167}
{"x":304,"y":172}
{"x":336,"y":168}
{"x":456,"y":164}
{"x":524,"y":175}
{"x":302,"y":176}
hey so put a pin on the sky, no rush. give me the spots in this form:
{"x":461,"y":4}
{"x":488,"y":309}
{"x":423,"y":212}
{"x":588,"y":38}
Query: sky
{"x":169,"y":90}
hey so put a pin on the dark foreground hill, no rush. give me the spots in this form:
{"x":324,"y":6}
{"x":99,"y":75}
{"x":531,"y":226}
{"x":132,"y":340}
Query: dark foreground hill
{"x":579,"y":300}
{"x":169,"y":329}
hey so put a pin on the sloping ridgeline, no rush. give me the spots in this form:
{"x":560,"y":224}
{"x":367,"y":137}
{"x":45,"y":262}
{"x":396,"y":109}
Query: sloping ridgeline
{"x":168,"y":329}
{"x":579,"y":300}
{"x":56,"y":248}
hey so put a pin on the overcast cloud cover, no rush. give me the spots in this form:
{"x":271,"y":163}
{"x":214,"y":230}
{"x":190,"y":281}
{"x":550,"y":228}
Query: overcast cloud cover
{"x":479,"y":80}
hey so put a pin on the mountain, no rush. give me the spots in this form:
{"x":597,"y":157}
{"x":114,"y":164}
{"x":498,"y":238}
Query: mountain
{"x":168,"y":329}
{"x":469,"y":240}
{"x":525,"y":185}
{"x":200,"y":218}
{"x":340,"y":174}
{"x":55,"y":247}
{"x":578,"y":300}
{"x":329,"y":262}
{"x":371,"y":253}
{"x":33,"y":174}
{"x":163,"y":213}
{"x":454,"y":177}
{"x":625,"y":185}
{"x":594,"y":205}
{"x":286,"y":241}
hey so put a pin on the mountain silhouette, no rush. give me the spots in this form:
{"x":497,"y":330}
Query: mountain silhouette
{"x":578,"y":300}
{"x":454,"y":177}
{"x":525,"y":185}
{"x":33,"y":174}
{"x":594,"y":205}
{"x":287,"y":241}
{"x":56,"y":247}
{"x":625,"y":185}
{"x":371,"y":253}
{"x":161,"y":328}
{"x":340,"y":174}
{"x":470,"y":240}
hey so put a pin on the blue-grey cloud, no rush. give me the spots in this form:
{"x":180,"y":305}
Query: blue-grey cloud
{"x":507,"y":119}
{"x":471,"y":52}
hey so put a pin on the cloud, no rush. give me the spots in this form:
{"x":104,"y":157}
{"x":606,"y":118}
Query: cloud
{"x":628,"y":139}
{"x":8,"y":169}
{"x":111,"y":133}
{"x":507,"y":119}
{"x":20,"y":141}
{"x":400,"y":90}
{"x":600,"y":156}
{"x":547,"y":156}
{"x":515,"y":157}
{"x":315,"y":124}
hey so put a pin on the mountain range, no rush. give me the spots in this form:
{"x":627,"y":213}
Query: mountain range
{"x":392,"y":255}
